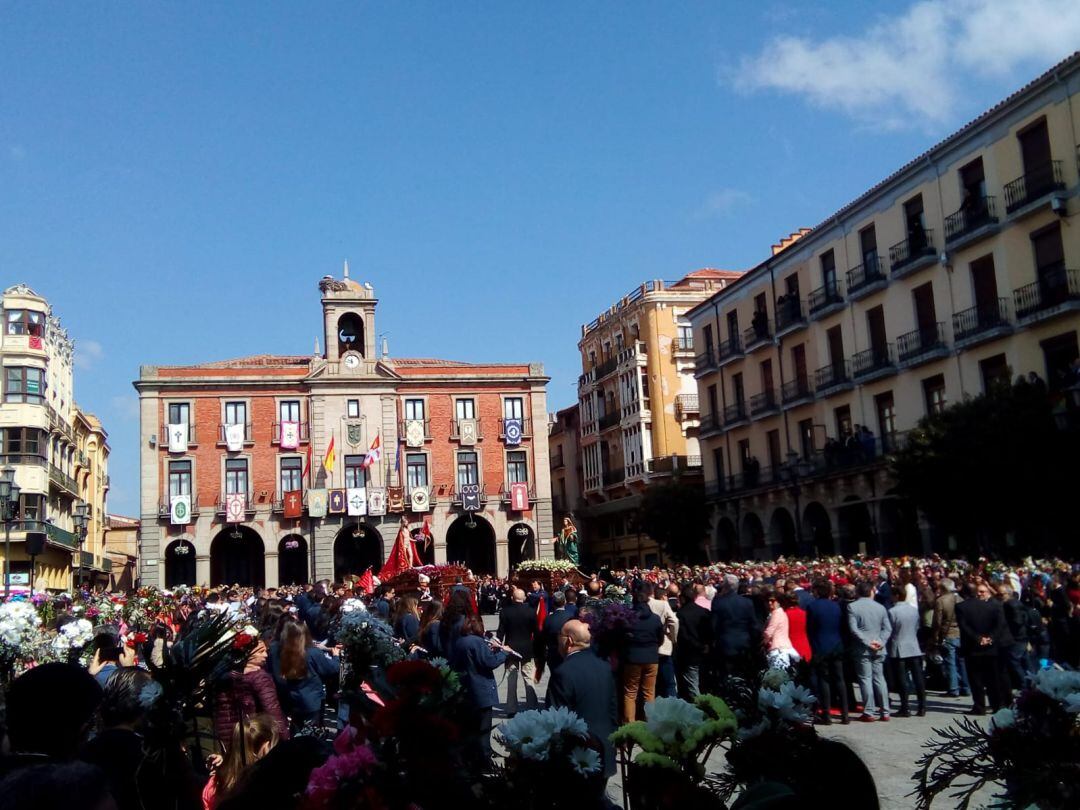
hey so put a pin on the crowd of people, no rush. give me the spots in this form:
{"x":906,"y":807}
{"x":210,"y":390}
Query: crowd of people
{"x":869,"y":638}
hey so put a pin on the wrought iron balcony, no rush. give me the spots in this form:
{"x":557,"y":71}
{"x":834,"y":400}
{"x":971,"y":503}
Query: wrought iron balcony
{"x":763,"y":403}
{"x":735,"y":413}
{"x":875,"y":361}
{"x":673,"y":464}
{"x":709,"y":423}
{"x":796,"y":390}
{"x":63,"y":480}
{"x":864,"y":276}
{"x":1034,"y":184}
{"x":760,"y":332}
{"x":730,"y":349}
{"x":526,"y":428}
{"x":221,"y":433}
{"x":977,"y":213}
{"x":61,"y":537}
{"x":825,"y":298}
{"x":914,"y":252}
{"x":609,"y":420}
{"x":455,"y":495}
{"x":165,"y":507}
{"x":924,"y":344}
{"x":833,"y":376}
{"x":607,"y":367}
{"x":1056,"y":286}
{"x":192,"y":437}
{"x":404,"y":423}
{"x":790,"y":315}
{"x":971,"y":323}
{"x":455,"y":428}
{"x":686,"y":404}
{"x":682,"y":345}
{"x":557,"y":460}
{"x":249,"y":503}
{"x":705,"y":361}
{"x":275,"y":436}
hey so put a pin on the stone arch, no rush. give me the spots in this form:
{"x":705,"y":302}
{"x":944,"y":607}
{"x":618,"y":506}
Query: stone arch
{"x":856,"y":528}
{"x":180,"y":563}
{"x":350,"y":333}
{"x":357,"y":547}
{"x":237,"y":557}
{"x":818,"y":529}
{"x":753,"y":533}
{"x":520,"y":543}
{"x":293,"y":560}
{"x":898,"y":526}
{"x":727,"y":540}
{"x":782,"y":538}
{"x":471,"y":540}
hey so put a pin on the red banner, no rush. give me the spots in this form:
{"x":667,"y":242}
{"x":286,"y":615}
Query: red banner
{"x":519,"y":497}
{"x":294,"y":503}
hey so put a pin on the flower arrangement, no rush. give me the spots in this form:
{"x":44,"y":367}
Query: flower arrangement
{"x":675,"y":741}
{"x":368,"y":642}
{"x":609,"y":620}
{"x":553,"y":566}
{"x":343,"y":781}
{"x":1030,"y":749}
{"x":352,"y":604}
{"x":20,"y":633}
{"x":73,"y":637}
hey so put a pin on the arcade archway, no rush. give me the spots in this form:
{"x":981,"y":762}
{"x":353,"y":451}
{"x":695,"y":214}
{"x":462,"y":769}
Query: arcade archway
{"x":236,"y":558}
{"x":293,"y":560}
{"x":179,"y":563}
{"x":471,"y":540}
{"x":818,"y":529}
{"x":753,"y":533}
{"x":856,"y":529}
{"x":782,"y":534}
{"x":521,"y":543}
{"x":727,"y":540}
{"x":357,"y":547}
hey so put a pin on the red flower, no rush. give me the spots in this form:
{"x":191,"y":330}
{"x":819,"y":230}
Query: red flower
{"x":137,"y":638}
{"x":418,"y":675}
{"x":242,"y":641}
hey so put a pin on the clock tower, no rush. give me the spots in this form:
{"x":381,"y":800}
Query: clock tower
{"x":349,"y":324}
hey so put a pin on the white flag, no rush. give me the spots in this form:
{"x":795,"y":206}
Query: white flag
{"x":235,"y":507}
{"x":356,"y":501}
{"x":178,"y":438}
{"x":234,"y":438}
{"x":180,"y":510}
{"x":290,"y":435}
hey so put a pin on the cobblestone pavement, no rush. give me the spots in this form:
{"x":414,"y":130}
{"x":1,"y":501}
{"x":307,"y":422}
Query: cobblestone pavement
{"x":890,"y":749}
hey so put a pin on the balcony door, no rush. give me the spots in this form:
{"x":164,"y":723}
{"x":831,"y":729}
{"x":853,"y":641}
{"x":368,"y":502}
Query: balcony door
{"x":828,"y":273}
{"x":875,"y":327}
{"x":733,"y":327}
{"x":973,"y":181}
{"x":886,"y":417}
{"x":915,"y":222}
{"x":1050,"y":264}
{"x":925,"y":316}
{"x":1035,"y":152}
{"x":868,"y":248}
{"x":836,"y":350}
{"x":798,"y":361}
{"x":767,"y":379}
{"x":984,"y":285}
{"x":737,"y":390}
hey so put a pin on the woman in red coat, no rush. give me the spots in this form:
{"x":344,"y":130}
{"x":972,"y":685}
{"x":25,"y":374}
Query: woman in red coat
{"x":797,"y":626}
{"x":248,"y":693}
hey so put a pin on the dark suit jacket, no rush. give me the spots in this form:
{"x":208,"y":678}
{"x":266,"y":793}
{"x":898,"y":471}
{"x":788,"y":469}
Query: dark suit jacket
{"x":517,"y":628}
{"x":475,"y":661}
{"x":805,"y":597}
{"x":976,"y":619}
{"x":553,"y":625}
{"x":644,"y":637}
{"x":736,"y":629}
{"x":584,"y":684}
{"x":695,"y":634}
{"x":824,"y":626}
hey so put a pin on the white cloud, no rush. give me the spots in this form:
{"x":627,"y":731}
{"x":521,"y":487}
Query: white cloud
{"x":87,"y":354}
{"x":722,"y":202}
{"x":911,"y":69}
{"x":126,"y":405}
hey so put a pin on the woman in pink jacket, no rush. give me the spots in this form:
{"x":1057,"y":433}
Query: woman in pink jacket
{"x":779,"y":652}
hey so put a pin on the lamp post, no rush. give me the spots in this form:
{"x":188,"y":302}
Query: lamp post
{"x":9,"y":503}
{"x":80,"y":520}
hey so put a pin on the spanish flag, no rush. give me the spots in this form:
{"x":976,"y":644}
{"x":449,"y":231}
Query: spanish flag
{"x":328,"y":462}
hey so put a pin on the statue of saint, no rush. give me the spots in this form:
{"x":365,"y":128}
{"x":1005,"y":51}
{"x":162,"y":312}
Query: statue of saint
{"x":568,"y":541}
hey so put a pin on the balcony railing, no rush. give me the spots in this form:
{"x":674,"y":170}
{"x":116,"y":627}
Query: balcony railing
{"x":1055,"y":286}
{"x":613,"y":477}
{"x":920,"y":341}
{"x":763,"y":402}
{"x":62,"y":480}
{"x":864,"y":275}
{"x":304,"y":432}
{"x":705,"y":360}
{"x":404,"y":423}
{"x":878,"y":358}
{"x":757,"y":333}
{"x":709,"y":422}
{"x":221,"y":433}
{"x":789,"y":312}
{"x":61,"y":537}
{"x":976,"y":214}
{"x":796,"y":389}
{"x":607,"y":367}
{"x":687,"y":403}
{"x":974,"y":321}
{"x":673,"y":464}
{"x":192,"y":437}
{"x":732,"y":347}
{"x":735,"y":412}
{"x":682,"y":345}
{"x":455,"y":428}
{"x":526,"y":428}
{"x":165,"y":507}
{"x":825,"y":296}
{"x":832,"y":375}
{"x":249,"y":503}
{"x":1036,"y":183}
{"x":455,"y":495}
{"x":911,"y":250}
{"x":557,"y":461}
{"x":609,"y":420}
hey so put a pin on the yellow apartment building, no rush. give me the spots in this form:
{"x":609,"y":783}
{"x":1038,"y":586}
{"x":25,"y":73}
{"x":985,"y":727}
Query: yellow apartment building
{"x":56,"y":454}
{"x":637,"y":411}
{"x":956,"y":271}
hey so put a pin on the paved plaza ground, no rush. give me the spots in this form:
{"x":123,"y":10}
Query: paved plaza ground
{"x":890,"y":749}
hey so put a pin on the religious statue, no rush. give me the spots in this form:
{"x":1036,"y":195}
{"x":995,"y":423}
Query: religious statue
{"x":568,"y":541}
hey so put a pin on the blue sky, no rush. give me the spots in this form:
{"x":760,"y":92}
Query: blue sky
{"x":176,"y":178}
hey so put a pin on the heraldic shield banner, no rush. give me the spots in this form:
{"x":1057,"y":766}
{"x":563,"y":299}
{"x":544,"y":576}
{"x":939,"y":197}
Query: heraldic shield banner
{"x":235,"y":507}
{"x":290,"y":435}
{"x":512,"y":431}
{"x":356,"y":501}
{"x":180,"y":510}
{"x":376,"y":501}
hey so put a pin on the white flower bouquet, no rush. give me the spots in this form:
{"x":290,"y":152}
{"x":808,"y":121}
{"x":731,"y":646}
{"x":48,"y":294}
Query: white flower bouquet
{"x":548,"y":751}
{"x":20,"y":633}
{"x":73,"y":636}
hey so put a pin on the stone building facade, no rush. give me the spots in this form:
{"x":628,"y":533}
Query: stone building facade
{"x":454,"y":441}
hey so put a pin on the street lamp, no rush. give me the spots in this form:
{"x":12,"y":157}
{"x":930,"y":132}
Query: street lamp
{"x":80,"y":519}
{"x":9,"y":503}
{"x":797,"y":468}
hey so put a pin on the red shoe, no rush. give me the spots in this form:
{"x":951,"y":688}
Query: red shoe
{"x":867,"y":718}
{"x":884,"y":718}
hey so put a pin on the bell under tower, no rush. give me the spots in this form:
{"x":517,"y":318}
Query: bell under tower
{"x":349,"y":323}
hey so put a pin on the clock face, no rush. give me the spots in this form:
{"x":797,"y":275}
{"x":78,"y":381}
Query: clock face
{"x":351,"y":361}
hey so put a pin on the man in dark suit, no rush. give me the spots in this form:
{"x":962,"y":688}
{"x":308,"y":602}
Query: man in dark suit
{"x":736,"y":631}
{"x":584,"y":684}
{"x":984,"y":633}
{"x":692,"y":644}
{"x":553,"y":626}
{"x":517,"y":630}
